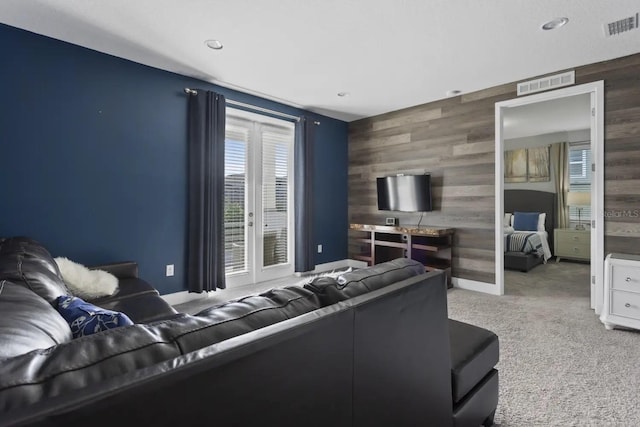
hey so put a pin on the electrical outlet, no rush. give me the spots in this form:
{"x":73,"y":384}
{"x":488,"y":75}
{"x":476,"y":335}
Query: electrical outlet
{"x":169,"y":272}
{"x":319,"y":249}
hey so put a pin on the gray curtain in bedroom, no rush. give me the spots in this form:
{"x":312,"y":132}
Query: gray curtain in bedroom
{"x":560,"y":159}
{"x":303,"y":195}
{"x":205,"y":248}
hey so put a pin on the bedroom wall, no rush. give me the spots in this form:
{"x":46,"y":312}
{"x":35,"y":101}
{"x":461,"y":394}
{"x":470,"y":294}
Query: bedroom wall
{"x":538,"y":141}
{"x":454,"y":139}
{"x":93,"y":151}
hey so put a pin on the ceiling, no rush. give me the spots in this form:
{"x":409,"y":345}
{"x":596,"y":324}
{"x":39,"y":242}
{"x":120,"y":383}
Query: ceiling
{"x":387,"y":55}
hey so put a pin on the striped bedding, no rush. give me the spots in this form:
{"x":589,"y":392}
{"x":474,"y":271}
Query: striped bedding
{"x":524,"y":242}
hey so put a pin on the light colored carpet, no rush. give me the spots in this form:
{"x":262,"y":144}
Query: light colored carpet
{"x":558,"y":365}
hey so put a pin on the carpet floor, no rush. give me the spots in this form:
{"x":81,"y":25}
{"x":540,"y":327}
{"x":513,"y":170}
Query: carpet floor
{"x":558,"y":365}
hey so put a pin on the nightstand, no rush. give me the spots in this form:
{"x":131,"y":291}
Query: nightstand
{"x":570,"y":243}
{"x":621,"y":291}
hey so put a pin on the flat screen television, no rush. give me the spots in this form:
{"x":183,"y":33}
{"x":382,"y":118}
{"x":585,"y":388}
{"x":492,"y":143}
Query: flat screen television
{"x":406,"y":193}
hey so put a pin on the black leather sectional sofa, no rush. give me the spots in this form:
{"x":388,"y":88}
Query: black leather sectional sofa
{"x":374,"y":348}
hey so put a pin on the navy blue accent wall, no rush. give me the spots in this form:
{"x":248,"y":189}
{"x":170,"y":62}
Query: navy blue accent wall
{"x":331,"y":191}
{"x":93,"y":157}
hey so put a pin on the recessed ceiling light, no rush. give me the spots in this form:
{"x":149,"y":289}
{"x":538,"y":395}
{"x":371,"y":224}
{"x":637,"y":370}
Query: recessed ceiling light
{"x":213,"y":44}
{"x":555,"y":23}
{"x":453,"y":92}
{"x":343,"y":94}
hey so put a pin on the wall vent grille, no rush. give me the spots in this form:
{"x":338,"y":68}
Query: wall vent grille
{"x":546,"y":83}
{"x":621,"y":26}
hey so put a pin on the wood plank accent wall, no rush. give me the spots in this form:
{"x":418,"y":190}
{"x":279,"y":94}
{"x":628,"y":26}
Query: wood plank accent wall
{"x":454,"y":140}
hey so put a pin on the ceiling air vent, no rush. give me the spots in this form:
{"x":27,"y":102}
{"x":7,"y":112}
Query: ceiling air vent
{"x":621,"y":26}
{"x":546,"y":83}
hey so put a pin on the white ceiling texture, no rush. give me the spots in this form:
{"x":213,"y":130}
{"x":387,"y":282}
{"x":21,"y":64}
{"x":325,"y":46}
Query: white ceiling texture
{"x":387,"y":54}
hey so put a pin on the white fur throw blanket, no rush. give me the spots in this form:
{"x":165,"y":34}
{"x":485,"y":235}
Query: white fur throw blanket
{"x":84,"y":283}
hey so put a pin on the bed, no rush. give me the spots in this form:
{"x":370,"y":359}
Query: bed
{"x":525,"y":250}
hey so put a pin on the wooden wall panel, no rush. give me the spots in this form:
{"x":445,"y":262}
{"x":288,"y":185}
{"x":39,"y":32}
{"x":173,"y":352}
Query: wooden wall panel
{"x":454,"y":140}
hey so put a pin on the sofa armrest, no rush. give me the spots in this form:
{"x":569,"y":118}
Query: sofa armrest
{"x":122,"y":270}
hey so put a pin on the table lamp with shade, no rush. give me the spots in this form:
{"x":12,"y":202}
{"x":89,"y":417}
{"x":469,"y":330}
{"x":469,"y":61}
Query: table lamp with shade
{"x":579,"y":199}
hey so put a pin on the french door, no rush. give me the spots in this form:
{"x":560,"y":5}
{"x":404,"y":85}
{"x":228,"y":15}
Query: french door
{"x":258,"y":209}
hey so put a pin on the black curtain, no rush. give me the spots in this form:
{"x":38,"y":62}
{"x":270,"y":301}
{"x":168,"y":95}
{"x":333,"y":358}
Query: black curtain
{"x":205,"y":251}
{"x":303,"y":197}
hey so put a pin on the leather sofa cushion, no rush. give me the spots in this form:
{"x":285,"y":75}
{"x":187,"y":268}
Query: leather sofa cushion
{"x":122,"y":269}
{"x":238,"y":317}
{"x":121,"y":351}
{"x":27,"y":322}
{"x":138,"y":300}
{"x":27,"y":263}
{"x":364,"y":280}
{"x":474,"y":353}
{"x":127,"y":287}
{"x":83,"y":361}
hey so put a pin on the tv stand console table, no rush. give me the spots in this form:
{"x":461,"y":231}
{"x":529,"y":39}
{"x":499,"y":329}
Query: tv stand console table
{"x":380,"y":243}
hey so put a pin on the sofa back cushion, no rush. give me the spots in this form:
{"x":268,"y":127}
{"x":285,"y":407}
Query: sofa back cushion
{"x":27,"y":263}
{"x":364,"y":280}
{"x":82,"y":362}
{"x":247,"y":314}
{"x":27,"y":322}
{"x":92,"y":359}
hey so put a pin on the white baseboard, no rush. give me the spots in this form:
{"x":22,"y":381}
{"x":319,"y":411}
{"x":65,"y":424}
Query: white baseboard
{"x":473,"y":285}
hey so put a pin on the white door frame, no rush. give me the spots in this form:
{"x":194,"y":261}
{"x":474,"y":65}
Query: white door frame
{"x":596,"y":91}
{"x":254,"y":234}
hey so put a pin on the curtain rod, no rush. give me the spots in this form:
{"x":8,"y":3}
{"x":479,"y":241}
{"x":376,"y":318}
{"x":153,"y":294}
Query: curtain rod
{"x":189,"y":91}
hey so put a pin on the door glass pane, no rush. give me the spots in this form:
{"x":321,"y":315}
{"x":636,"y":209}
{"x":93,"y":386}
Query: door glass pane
{"x":276,"y":143}
{"x":235,"y":190}
{"x":580,"y":178}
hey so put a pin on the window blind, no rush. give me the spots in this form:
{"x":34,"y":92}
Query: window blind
{"x":580,"y":178}
{"x":276,"y":142}
{"x":235,"y":190}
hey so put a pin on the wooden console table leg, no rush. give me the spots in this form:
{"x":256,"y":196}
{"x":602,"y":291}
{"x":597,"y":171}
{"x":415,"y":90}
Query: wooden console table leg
{"x":373,"y":248}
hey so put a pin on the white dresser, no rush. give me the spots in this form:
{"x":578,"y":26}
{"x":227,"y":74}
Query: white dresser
{"x":621,"y":291}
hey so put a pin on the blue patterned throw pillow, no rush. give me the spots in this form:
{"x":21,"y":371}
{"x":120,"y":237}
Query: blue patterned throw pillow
{"x":85,"y":318}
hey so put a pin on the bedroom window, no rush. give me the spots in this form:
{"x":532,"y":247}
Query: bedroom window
{"x":580,"y":177}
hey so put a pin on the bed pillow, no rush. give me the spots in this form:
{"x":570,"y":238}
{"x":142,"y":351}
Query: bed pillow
{"x":526,"y":221}
{"x":541,"y":220}
{"x":506,"y":222}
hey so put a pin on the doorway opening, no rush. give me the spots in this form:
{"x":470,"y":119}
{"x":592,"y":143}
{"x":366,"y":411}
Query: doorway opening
{"x":512,"y":112}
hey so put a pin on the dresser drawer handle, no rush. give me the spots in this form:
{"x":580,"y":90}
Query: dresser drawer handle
{"x":576,"y":238}
{"x":628,"y":279}
{"x":627,"y":305}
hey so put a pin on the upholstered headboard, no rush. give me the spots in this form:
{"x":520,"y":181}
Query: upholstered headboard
{"x":533,"y":201}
